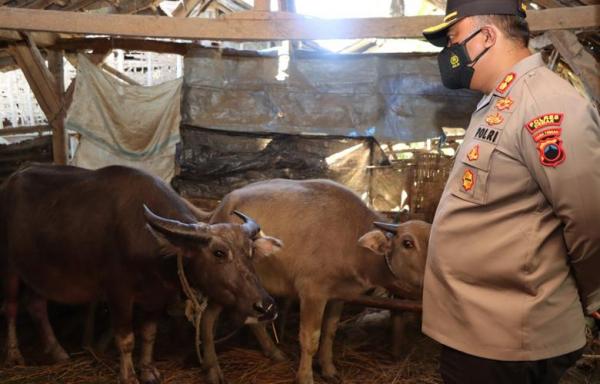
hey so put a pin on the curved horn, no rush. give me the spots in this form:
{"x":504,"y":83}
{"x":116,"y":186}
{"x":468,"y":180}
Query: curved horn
{"x":174,"y":227}
{"x":392,"y":228}
{"x":250,"y":226}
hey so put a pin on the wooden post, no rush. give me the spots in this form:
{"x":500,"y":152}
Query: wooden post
{"x":59,"y":137}
{"x":581,"y":61}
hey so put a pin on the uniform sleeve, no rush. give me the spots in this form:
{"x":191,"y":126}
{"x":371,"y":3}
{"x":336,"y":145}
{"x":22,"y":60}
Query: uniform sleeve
{"x":560,"y":146}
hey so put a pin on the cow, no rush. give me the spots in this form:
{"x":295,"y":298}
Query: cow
{"x":73,"y":236}
{"x":332,"y":251}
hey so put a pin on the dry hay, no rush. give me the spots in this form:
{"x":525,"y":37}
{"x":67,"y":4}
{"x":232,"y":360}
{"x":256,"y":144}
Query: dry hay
{"x":361,"y":354}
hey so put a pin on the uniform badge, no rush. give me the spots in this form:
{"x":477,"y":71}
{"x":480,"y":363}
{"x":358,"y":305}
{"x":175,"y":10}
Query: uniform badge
{"x":494,"y":119}
{"x":473,"y":153}
{"x":504,"y":104}
{"x":468,"y":180}
{"x":549,"y":146}
{"x":544,"y":121}
{"x":505,"y":84}
{"x":454,"y":61}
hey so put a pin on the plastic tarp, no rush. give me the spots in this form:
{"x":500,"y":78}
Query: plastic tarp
{"x":213,"y":163}
{"x":124,"y":124}
{"x":388,"y":96}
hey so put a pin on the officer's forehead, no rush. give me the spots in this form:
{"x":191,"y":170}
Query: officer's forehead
{"x":461,"y":26}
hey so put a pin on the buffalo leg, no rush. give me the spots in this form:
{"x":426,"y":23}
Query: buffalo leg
{"x":331,"y":320}
{"x":38,"y":309}
{"x":266,"y":343}
{"x":121,"y":309}
{"x":211,"y":367}
{"x":149,"y":373}
{"x":311,"y":315}
{"x":11,"y":306}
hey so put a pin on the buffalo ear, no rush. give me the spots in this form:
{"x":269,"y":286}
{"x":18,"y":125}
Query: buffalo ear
{"x":167,"y":248}
{"x":376,"y":241}
{"x":266,"y":246}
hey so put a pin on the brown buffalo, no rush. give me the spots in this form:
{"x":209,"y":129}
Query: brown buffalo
{"x":332,"y":250}
{"x":74,"y":235}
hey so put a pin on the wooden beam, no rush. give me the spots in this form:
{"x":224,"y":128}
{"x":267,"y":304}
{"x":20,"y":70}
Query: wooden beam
{"x":186,"y":7}
{"x":107,"y":43}
{"x":581,"y":61}
{"x":262,"y":5}
{"x":270,"y":28}
{"x":45,"y":89}
{"x":118,"y":74}
{"x":39,"y":129}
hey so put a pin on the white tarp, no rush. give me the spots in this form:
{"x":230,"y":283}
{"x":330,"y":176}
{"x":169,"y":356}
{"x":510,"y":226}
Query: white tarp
{"x":124,"y":124}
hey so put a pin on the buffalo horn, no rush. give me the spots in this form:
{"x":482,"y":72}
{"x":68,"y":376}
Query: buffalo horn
{"x":175,"y":227}
{"x":392,"y":228}
{"x":250,"y":226}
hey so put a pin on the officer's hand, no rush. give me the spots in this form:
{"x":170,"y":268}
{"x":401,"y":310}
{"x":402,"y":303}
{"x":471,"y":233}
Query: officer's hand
{"x":596,"y":315}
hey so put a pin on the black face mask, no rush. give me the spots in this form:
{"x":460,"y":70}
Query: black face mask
{"x":456,"y":67}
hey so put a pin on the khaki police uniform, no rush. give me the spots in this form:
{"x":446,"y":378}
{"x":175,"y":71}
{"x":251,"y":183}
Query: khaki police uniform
{"x":517,"y":230}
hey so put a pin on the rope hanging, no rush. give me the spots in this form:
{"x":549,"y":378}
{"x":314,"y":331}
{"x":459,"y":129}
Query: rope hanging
{"x":194,"y":305}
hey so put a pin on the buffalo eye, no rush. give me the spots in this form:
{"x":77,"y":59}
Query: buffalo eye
{"x":408,"y":244}
{"x":221,"y":255}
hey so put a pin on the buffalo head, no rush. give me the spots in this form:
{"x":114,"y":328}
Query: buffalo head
{"x":403,"y":248}
{"x":218,"y":261}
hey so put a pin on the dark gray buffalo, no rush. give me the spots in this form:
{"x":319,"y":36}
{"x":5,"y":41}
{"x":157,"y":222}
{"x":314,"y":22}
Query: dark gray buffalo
{"x":73,"y":236}
{"x":332,"y":250}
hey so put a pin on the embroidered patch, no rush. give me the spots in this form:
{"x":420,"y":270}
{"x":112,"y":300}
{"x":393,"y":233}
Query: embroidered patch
{"x":487,"y":134}
{"x":494,"y":119}
{"x":454,"y":61}
{"x":549,"y":146}
{"x":543,"y":121}
{"x":473,"y":153}
{"x":468,"y":180}
{"x":505,"y":84}
{"x":504,"y":104}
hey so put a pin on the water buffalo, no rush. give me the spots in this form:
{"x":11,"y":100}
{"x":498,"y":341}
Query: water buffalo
{"x":332,"y":250}
{"x":73,"y":235}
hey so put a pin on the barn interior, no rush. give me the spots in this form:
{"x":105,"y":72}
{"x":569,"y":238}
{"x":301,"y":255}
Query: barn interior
{"x":238,"y":91}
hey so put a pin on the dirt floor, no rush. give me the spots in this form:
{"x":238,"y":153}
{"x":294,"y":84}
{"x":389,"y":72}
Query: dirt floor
{"x":362,"y":353}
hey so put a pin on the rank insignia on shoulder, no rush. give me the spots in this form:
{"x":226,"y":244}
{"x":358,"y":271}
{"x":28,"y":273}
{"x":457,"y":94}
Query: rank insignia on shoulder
{"x":543,"y":121}
{"x":494,"y":119}
{"x":504,"y":104}
{"x":506,"y":83}
{"x":549,"y":146}
{"x":473,"y":153}
{"x":468,"y":180}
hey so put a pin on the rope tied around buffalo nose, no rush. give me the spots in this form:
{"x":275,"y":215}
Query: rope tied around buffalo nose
{"x":194,"y":305}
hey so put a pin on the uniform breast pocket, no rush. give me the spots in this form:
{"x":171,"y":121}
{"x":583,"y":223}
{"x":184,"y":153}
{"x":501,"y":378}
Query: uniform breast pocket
{"x":472,"y":172}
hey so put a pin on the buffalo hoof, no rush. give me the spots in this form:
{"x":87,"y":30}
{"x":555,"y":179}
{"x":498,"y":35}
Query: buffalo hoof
{"x":330,"y":374}
{"x":277,"y":355}
{"x":57,"y":354}
{"x":129,"y":380}
{"x":214,"y":375}
{"x":150,"y":375}
{"x":305,"y":379}
{"x":14,"y":358}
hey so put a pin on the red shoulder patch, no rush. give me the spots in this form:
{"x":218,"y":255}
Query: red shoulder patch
{"x":506,"y":83}
{"x":549,"y":146}
{"x":545,"y":120}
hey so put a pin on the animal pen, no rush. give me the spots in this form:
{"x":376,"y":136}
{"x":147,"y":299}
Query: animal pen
{"x":255,"y":97}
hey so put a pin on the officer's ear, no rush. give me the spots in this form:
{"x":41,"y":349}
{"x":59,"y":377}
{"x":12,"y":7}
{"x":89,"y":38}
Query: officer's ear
{"x":490,"y":34}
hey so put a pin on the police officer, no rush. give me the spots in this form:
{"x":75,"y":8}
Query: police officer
{"x":514,"y":254}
